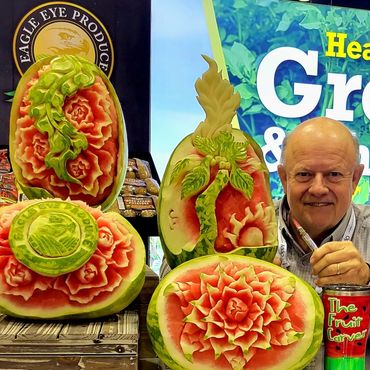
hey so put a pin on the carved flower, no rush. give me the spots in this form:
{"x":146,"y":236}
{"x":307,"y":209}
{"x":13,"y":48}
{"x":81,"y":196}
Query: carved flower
{"x":114,"y":242}
{"x":88,"y":281}
{"x":17,"y":279}
{"x":90,"y":111}
{"x":235,"y":312}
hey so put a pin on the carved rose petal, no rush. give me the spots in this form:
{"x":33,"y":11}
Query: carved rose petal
{"x":90,"y":275}
{"x":88,"y":282}
{"x":17,"y":279}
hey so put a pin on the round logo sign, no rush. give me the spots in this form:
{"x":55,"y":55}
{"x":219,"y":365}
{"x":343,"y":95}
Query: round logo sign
{"x":58,"y":28}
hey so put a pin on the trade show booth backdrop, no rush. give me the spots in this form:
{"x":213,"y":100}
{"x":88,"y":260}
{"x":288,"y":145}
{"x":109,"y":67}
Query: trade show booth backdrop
{"x":278,"y":54}
{"x":291,"y":61}
{"x":115,"y":34}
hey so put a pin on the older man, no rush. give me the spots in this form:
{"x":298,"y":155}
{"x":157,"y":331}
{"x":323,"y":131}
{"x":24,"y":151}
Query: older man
{"x":320,"y":170}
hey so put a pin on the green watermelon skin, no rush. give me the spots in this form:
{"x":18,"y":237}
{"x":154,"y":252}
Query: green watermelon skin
{"x":107,"y":283}
{"x":178,"y":223}
{"x":167,"y":323}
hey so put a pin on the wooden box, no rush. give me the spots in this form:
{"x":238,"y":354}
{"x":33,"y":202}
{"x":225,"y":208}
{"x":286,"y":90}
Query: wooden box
{"x":109,"y":343}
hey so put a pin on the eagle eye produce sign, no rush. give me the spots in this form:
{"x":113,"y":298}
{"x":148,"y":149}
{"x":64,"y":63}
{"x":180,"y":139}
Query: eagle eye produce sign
{"x":290,"y":62}
{"x":57,"y":28}
{"x":99,"y":31}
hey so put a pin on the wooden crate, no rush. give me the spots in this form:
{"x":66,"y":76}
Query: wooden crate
{"x":109,"y":343}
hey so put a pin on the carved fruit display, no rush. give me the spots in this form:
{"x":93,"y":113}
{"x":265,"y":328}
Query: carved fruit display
{"x":234,"y":312}
{"x":64,"y":259}
{"x":67,"y":132}
{"x":215,"y":193}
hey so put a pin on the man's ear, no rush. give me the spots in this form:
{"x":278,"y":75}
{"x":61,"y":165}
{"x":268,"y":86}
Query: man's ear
{"x":283,"y":176}
{"x":357,"y":173}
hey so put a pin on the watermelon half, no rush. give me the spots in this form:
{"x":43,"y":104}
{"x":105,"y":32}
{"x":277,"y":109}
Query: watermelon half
{"x":63,"y":260}
{"x":215,"y":193}
{"x":67,"y":132}
{"x":234,"y":312}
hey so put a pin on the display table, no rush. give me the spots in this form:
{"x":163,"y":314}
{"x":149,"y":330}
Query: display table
{"x":116,"y":342}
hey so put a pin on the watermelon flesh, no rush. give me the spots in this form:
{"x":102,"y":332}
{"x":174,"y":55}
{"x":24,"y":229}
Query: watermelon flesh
{"x":234,"y":312}
{"x":33,"y":278}
{"x":67,"y":132}
{"x":215,"y":195}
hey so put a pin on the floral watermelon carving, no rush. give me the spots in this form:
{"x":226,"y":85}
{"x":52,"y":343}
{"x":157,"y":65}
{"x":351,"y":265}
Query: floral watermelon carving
{"x":67,"y":133}
{"x":63,"y":259}
{"x":215,"y":193}
{"x":234,"y":312}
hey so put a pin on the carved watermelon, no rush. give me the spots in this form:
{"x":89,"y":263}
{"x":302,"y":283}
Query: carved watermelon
{"x":215,"y":194}
{"x":67,"y":132}
{"x":234,"y":312}
{"x":63,"y":259}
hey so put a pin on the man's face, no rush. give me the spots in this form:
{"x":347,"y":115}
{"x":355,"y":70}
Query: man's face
{"x":319,"y":178}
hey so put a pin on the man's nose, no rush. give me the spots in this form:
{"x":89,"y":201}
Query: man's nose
{"x":318,"y":185}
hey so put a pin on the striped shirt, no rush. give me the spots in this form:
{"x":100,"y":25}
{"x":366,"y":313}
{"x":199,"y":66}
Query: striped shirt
{"x":298,"y":262}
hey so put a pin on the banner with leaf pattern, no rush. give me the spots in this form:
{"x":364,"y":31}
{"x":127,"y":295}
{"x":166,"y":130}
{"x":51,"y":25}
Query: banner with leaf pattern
{"x":292,"y":61}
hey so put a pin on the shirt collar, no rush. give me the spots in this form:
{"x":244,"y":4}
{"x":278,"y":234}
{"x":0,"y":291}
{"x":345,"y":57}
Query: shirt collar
{"x":336,"y":234}
{"x":283,"y":222}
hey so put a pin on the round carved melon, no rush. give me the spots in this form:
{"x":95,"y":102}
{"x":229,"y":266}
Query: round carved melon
{"x":63,"y":259}
{"x":234,"y":312}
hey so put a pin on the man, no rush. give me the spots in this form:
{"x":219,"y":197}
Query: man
{"x":320,"y":170}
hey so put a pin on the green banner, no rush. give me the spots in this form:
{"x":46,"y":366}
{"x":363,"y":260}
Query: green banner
{"x":292,"y":61}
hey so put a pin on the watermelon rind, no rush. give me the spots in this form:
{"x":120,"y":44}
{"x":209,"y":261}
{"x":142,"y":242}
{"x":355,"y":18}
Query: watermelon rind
{"x":38,"y":248}
{"x":169,"y":351}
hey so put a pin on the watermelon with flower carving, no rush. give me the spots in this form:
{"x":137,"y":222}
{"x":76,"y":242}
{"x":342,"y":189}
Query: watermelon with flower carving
{"x":64,"y":259}
{"x":235,"y":312}
{"x":67,"y":132}
{"x":215,"y":193}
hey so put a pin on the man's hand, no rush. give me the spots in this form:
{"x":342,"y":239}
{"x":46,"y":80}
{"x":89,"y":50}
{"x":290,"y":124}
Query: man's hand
{"x":339,"y":263}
